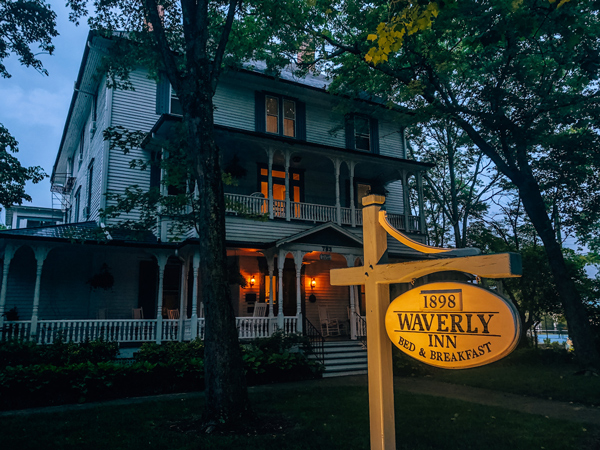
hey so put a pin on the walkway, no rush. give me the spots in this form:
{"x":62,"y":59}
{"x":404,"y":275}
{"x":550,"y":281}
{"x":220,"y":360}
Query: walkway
{"x":530,"y":405}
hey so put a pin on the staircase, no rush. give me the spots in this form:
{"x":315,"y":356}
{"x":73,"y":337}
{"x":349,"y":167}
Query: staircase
{"x":344,"y":358}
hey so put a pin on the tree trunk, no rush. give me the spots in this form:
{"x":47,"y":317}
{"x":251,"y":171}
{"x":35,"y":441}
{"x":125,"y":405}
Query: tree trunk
{"x":575,"y":312}
{"x":226,"y":392}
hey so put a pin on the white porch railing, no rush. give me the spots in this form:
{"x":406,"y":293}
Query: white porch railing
{"x":290,"y":325}
{"x":414,"y":223}
{"x":310,"y":212}
{"x":252,"y":327}
{"x":346,"y":216}
{"x":246,"y":204}
{"x":279,"y":209}
{"x":170,"y":329}
{"x":360,"y":325}
{"x":396,"y":220}
{"x":15,"y":330}
{"x":136,"y":330}
{"x":313,"y":213}
{"x":124,"y":330}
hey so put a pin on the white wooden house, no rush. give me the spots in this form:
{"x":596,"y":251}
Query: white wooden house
{"x":307,"y":166}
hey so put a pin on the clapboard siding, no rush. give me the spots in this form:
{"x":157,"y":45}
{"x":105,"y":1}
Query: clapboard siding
{"x":136,"y":109}
{"x":252,"y":231}
{"x":323,"y":126}
{"x":394,"y":201}
{"x":390,"y":139}
{"x":93,"y":151}
{"x":335,"y":298}
{"x":234,"y":106}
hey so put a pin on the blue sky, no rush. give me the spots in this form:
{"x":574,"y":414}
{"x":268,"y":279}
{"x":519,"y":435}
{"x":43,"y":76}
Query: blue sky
{"x":34,"y":107}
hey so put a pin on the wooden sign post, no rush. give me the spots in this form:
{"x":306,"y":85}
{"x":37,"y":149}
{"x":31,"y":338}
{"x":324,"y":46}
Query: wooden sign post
{"x":377,"y":275}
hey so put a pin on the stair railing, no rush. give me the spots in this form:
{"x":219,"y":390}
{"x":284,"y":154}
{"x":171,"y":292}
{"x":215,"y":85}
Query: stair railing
{"x":362,"y":326}
{"x":316,"y":341}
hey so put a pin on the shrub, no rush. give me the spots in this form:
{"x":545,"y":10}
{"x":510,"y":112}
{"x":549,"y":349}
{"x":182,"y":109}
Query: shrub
{"x":59,"y":353}
{"x":170,"y":352}
{"x":279,"y":358}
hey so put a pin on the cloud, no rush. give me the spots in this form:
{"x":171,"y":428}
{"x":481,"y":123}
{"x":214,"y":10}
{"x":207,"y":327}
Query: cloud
{"x":34,"y":107}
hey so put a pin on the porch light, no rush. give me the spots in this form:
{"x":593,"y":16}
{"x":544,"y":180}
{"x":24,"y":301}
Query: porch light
{"x":313,"y":284}
{"x":252,"y":281}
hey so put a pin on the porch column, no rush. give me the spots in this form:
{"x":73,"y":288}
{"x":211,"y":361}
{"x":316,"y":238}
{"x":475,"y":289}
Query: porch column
{"x":351,"y":166}
{"x":162,"y":227}
{"x":194,"y":318}
{"x":350,"y":262}
{"x":196,"y":197}
{"x":421,"y":203}
{"x":40,"y":256}
{"x":406,"y":205}
{"x":287,"y":186}
{"x":9,"y":253}
{"x":280,"y":263}
{"x":162,"y":262}
{"x":270,"y":174}
{"x":338,"y":205}
{"x":182,"y":297}
{"x":271,"y":264}
{"x":298,"y":256}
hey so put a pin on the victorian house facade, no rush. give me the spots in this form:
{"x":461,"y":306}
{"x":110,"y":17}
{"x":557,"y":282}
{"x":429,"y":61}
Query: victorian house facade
{"x":303,"y":166}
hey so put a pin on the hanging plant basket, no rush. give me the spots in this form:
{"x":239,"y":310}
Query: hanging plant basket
{"x":102,"y":280}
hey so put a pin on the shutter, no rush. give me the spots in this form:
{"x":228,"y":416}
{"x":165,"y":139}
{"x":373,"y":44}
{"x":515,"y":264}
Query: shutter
{"x":350,"y":132}
{"x":154,"y":170}
{"x":301,"y":120}
{"x":374,"y":128}
{"x":259,"y":112}
{"x":163,"y":94}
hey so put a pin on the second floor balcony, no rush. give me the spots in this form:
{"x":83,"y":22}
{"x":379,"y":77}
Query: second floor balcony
{"x":282,"y":179}
{"x":257,"y":205}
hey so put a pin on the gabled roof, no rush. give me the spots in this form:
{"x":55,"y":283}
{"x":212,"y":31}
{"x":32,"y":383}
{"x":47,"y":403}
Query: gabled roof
{"x":326,"y":234}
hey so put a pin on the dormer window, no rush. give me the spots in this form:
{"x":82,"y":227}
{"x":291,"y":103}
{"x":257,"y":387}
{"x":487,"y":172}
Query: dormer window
{"x":283,"y":116}
{"x":362,"y":133}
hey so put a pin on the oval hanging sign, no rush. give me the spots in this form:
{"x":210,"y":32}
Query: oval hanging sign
{"x":453,"y":325}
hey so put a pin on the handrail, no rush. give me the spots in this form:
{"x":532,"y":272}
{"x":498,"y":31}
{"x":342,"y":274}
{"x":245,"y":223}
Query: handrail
{"x":362,"y":337}
{"x":316,"y":341}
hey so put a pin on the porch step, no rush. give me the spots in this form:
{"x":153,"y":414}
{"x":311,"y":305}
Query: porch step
{"x":344,"y":358}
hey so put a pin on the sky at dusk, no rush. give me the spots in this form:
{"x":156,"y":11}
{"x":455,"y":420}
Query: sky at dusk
{"x":34,"y":107}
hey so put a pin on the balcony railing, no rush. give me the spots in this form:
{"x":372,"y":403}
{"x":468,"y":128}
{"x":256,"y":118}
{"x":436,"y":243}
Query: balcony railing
{"x":309,"y":212}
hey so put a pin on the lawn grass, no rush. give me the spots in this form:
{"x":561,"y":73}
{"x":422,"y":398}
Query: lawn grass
{"x":320,"y":418}
{"x":538,"y":373}
{"x":545,"y":381}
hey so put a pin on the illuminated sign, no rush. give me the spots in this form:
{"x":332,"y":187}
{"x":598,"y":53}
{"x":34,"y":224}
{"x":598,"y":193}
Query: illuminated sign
{"x":453,"y":325}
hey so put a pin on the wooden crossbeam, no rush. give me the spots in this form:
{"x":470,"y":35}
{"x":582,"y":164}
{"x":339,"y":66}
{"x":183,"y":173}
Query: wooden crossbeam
{"x":503,"y":265}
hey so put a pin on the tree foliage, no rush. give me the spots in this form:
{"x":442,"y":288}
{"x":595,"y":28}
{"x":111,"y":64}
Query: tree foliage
{"x":519,"y":78}
{"x":459,"y":187}
{"x":22,"y":24}
{"x":13,"y":176}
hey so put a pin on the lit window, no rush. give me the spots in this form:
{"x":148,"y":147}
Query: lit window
{"x":272,"y":115}
{"x":289,"y":118}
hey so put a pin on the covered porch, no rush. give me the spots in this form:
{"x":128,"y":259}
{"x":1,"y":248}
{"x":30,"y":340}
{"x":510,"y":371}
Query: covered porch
{"x":152,"y":294}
